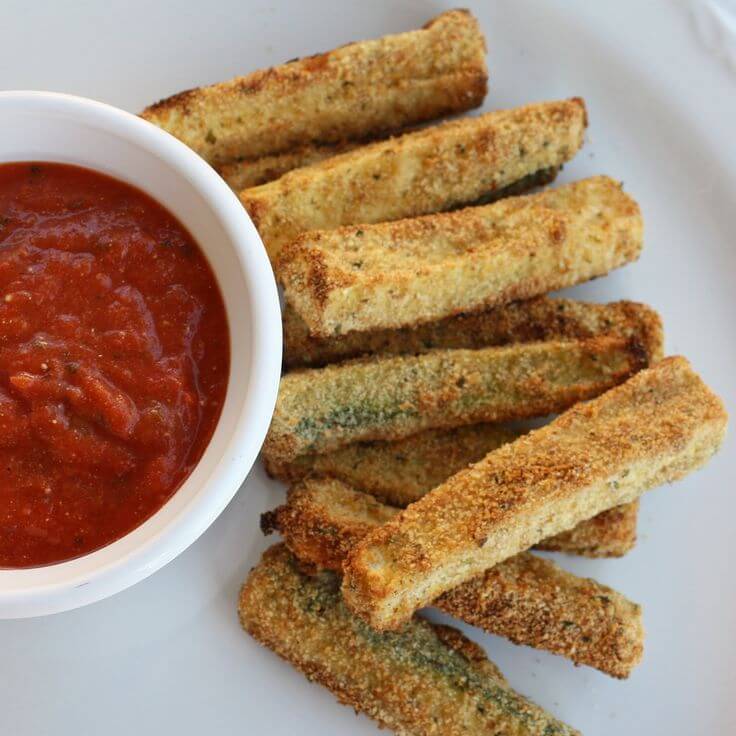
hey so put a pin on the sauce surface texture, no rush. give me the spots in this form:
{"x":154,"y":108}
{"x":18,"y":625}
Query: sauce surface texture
{"x":114,"y":360}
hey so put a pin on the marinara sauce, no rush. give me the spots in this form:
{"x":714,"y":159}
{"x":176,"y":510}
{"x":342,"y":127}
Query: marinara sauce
{"x":114,"y":360}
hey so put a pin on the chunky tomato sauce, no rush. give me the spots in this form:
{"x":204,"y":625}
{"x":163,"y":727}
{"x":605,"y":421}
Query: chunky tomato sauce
{"x":114,"y":360}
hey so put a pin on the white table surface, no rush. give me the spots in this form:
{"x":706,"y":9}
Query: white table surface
{"x":168,"y":656}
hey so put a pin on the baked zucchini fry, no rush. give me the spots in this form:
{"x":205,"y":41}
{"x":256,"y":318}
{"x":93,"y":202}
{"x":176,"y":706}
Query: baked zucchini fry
{"x":379,"y":276}
{"x":438,"y":168}
{"x":530,"y":320}
{"x":246,"y":173}
{"x":611,"y":533}
{"x":657,"y":427}
{"x":526,"y":599}
{"x":423,"y":680}
{"x":254,"y":171}
{"x":387,"y":398}
{"x":403,"y":471}
{"x":355,"y":91}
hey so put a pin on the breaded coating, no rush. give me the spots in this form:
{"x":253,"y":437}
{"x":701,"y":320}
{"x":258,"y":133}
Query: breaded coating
{"x":398,"y":274}
{"x":535,"y":180}
{"x":355,"y":91}
{"x":386,"y":398}
{"x":658,"y":426}
{"x":423,"y":680}
{"x":611,"y":533}
{"x":532,"y":601}
{"x":254,"y":171}
{"x":530,"y":320}
{"x":527,"y":599}
{"x":324,"y":518}
{"x":403,"y":471}
{"x":431,"y":170}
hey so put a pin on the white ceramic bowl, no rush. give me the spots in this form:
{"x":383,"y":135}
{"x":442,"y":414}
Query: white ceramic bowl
{"x":52,"y":127}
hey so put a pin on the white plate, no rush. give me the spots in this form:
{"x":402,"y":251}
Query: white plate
{"x":168,"y":656}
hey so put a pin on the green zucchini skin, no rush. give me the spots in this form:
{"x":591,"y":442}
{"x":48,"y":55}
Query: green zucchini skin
{"x":424,"y":679}
{"x":388,"y":398}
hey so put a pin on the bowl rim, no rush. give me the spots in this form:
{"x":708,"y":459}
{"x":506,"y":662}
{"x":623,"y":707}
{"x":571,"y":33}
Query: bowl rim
{"x":145,"y":549}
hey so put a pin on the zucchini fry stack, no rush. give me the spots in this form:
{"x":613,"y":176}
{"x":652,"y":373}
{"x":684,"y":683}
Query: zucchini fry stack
{"x":655,"y":428}
{"x":431,"y":170}
{"x":527,"y":599}
{"x":356,"y":279}
{"x":403,"y":471}
{"x":417,"y":326}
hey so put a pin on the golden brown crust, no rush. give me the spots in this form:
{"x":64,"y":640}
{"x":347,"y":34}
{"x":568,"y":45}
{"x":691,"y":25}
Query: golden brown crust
{"x":530,"y":320}
{"x":386,"y":398}
{"x":354,"y":91}
{"x":611,"y":533}
{"x":245,"y":173}
{"x":660,"y":425}
{"x":381,"y":276}
{"x":431,"y":170}
{"x":532,"y":601}
{"x":458,"y":642}
{"x":527,"y":599}
{"x":401,"y":472}
{"x":323,"y":519}
{"x":255,"y":171}
{"x":421,"y":681}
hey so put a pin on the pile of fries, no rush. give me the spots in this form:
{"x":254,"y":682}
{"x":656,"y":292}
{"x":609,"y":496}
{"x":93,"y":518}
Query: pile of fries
{"x":416,"y":328}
